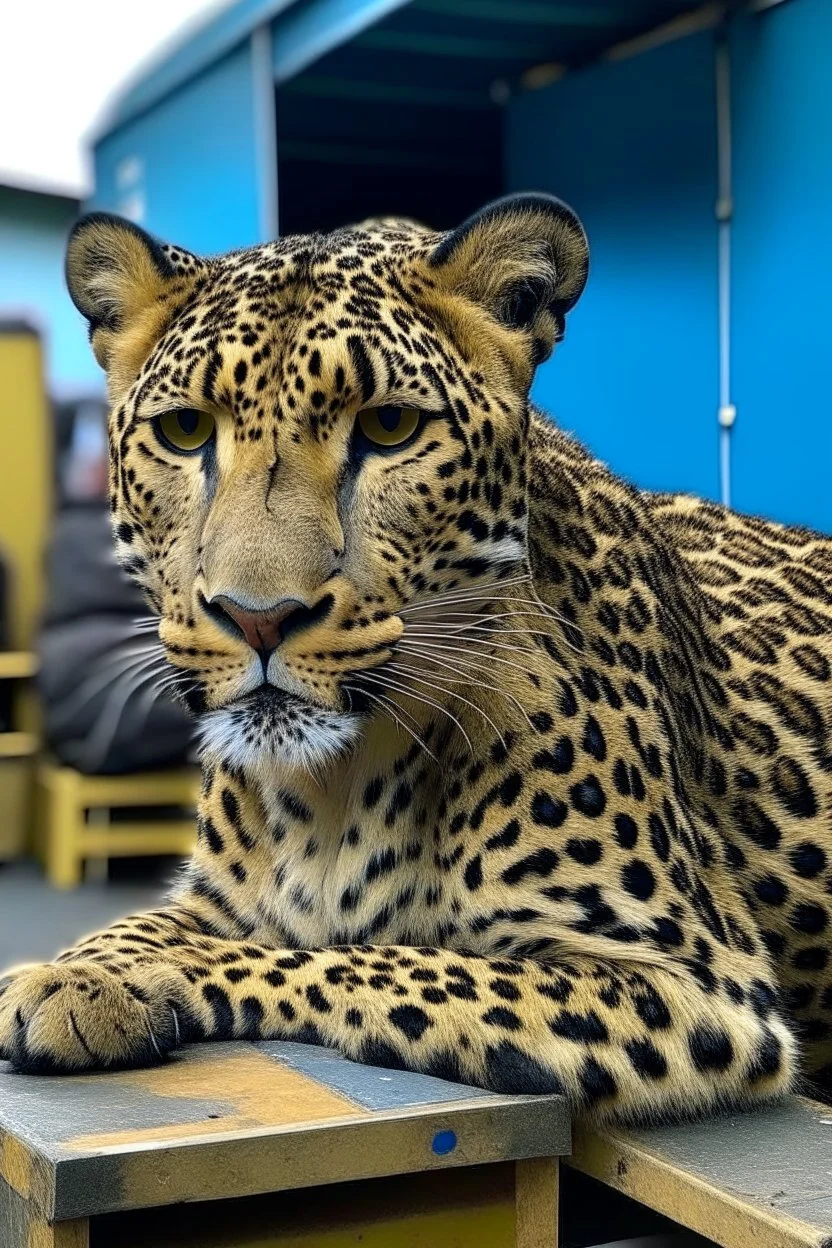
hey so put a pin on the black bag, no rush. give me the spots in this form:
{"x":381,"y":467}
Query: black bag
{"x":103,"y":712}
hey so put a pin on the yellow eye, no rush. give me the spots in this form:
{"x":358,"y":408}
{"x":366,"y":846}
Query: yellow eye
{"x":388,"y":426}
{"x":185,"y":430}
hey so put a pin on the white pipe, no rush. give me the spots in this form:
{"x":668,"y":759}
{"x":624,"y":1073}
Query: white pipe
{"x":265,"y":131}
{"x":727,"y":411}
{"x":724,"y":212}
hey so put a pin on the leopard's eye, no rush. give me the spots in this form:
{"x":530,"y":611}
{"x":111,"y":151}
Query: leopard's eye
{"x":388,"y":426}
{"x":184,"y":431}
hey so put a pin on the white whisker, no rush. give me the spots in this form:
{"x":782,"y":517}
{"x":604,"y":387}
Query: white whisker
{"x":106,"y":726}
{"x":463,"y":633}
{"x":473,"y":666}
{"x":103,"y":676}
{"x":412,"y":674}
{"x":422,"y":644}
{"x":460,"y":594}
{"x":448,"y":619}
{"x":386,"y":682}
{"x":389,"y":708}
{"x":479,"y":641}
{"x":541,"y":608}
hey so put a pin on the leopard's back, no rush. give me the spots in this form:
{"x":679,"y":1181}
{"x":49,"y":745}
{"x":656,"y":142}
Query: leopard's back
{"x":747,"y":605}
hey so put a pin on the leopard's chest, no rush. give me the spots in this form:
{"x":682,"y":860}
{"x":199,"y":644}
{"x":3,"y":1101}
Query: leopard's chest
{"x":352,"y":882}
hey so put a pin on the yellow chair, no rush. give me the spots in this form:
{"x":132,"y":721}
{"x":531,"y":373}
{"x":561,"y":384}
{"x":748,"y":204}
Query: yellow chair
{"x":25,"y":511}
{"x":74,"y":817}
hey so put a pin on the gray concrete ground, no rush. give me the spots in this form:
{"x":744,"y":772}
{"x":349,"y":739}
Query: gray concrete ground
{"x":36,"y":922}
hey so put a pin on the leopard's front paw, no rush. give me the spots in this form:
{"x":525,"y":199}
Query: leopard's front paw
{"x":72,"y":1016}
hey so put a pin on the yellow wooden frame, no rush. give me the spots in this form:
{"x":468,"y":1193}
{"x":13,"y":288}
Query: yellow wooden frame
{"x":18,"y":746}
{"x":66,"y":837}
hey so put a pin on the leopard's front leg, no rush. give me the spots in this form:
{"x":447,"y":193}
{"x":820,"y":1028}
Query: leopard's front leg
{"x":123,"y":997}
{"x":127,"y":995}
{"x":615,"y":1039}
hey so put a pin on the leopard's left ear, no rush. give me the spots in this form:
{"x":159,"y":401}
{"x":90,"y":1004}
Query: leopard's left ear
{"x":525,"y":258}
{"x":124,"y":282}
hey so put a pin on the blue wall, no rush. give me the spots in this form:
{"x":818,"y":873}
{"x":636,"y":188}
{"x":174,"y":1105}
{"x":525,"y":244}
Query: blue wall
{"x":33,"y":230}
{"x":631,"y":147}
{"x":782,"y":324}
{"x":186,"y":169}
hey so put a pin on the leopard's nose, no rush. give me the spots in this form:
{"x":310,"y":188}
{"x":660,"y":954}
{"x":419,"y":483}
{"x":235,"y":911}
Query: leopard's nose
{"x":264,"y":629}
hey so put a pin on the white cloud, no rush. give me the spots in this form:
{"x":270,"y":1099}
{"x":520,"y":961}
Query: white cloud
{"x":60,"y":62}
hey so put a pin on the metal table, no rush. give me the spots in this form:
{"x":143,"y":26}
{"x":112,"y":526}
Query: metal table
{"x":757,"y":1180}
{"x":274,"y":1144}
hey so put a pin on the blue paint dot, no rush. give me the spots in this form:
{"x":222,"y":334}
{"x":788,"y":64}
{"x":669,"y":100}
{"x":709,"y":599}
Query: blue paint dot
{"x":444,"y":1142}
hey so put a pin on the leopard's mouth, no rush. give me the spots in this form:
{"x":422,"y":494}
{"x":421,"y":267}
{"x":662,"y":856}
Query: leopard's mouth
{"x":266,"y":699}
{"x":269,"y":725}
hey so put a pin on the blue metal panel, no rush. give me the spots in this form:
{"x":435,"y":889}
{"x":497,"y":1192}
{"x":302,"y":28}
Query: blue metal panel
{"x":632,"y":147}
{"x":782,"y":269}
{"x":200,"y":48}
{"x":316,"y":27}
{"x":444,"y":46}
{"x":188,"y":170}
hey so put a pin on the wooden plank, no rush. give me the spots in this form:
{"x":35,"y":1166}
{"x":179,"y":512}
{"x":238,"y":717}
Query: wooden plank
{"x":124,"y":839}
{"x":18,"y":744}
{"x":536,"y":1202}
{"x":16,"y":1164}
{"x":59,"y":817}
{"x":755,"y":1180}
{"x":284,"y":1158}
{"x":15,"y":804}
{"x":152,"y":788}
{"x":23,"y":1225}
{"x":26,"y":1171}
{"x":17,"y":664}
{"x":253,"y":1100}
{"x":59,"y":1234}
{"x":26,"y":479}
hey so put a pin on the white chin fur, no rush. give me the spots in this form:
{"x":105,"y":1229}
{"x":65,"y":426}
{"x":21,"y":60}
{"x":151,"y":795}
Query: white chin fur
{"x":506,"y":550}
{"x":302,"y":736}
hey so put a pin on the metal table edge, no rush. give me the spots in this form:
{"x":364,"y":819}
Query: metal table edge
{"x":64,"y":1152}
{"x":538,"y":1126}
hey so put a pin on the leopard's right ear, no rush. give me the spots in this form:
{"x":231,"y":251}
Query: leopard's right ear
{"x":118,"y":276}
{"x":525,"y":259}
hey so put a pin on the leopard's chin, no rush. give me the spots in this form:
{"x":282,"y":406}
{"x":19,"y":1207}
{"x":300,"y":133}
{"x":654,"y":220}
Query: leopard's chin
{"x":270,"y":728}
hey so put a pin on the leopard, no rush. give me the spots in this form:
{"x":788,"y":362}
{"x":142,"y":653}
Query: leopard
{"x":513,"y":774}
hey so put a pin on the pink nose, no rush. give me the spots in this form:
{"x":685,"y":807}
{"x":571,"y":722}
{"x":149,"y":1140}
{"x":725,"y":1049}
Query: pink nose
{"x":263,"y":630}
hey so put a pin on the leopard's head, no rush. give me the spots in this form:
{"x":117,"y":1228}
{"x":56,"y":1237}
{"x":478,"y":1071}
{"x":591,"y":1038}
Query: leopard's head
{"x":309,"y":436}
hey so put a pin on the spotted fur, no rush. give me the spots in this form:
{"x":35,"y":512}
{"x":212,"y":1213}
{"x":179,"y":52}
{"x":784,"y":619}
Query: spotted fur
{"x":537,"y":792}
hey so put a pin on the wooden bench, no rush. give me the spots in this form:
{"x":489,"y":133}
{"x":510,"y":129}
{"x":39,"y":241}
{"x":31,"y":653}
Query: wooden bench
{"x":73,"y":817}
{"x":755,"y":1180}
{"x":277,"y":1145}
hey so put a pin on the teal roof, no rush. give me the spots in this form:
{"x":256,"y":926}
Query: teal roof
{"x":197,"y":48}
{"x":455,"y":48}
